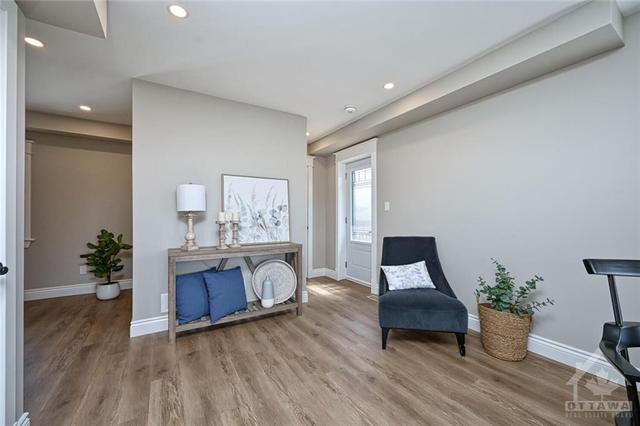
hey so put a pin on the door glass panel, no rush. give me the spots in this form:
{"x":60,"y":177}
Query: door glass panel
{"x":361,"y":205}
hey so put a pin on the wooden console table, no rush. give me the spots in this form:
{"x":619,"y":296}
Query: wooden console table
{"x":293,"y":256}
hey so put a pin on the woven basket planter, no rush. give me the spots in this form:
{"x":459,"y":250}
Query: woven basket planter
{"x":504,"y":335}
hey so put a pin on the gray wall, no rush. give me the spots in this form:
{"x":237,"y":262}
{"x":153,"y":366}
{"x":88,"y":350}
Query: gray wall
{"x":79,"y":186}
{"x":320,"y":187}
{"x":539,"y":177}
{"x":324,"y":212}
{"x":181,"y":136}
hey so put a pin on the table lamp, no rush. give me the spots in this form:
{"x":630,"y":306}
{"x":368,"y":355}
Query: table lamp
{"x":190,"y":199}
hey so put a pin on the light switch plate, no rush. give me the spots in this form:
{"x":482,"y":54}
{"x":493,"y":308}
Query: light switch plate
{"x":83,"y":269}
{"x":387,"y":206}
{"x":164,"y":303}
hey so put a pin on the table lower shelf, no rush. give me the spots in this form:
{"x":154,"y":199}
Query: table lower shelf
{"x":254,"y":310}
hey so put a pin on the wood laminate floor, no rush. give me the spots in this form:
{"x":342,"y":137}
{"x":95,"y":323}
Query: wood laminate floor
{"x":323,"y":368}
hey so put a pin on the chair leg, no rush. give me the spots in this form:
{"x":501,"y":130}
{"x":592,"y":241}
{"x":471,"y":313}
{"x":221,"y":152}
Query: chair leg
{"x":385,"y":334}
{"x":460,"y":339}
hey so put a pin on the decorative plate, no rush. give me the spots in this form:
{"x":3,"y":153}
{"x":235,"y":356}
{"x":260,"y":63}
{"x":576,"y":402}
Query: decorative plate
{"x":282,"y":275}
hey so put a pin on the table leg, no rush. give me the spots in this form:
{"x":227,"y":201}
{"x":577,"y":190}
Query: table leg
{"x":172,"y":300}
{"x":298,"y":268}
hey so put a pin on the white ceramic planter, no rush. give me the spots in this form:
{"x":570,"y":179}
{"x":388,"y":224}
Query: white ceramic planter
{"x":107,"y":291}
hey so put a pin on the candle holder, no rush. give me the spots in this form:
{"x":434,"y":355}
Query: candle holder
{"x":235,"y":233}
{"x":222,"y":234}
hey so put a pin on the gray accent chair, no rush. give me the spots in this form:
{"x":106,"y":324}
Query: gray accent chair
{"x":428,"y":309}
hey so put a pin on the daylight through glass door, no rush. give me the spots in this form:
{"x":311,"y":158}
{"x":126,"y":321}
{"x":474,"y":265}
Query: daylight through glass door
{"x":361,"y":205}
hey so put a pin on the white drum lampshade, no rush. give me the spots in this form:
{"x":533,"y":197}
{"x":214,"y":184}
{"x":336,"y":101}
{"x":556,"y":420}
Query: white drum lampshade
{"x":191,"y":198}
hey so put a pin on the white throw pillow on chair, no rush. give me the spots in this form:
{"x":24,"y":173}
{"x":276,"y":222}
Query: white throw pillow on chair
{"x":413,"y":275}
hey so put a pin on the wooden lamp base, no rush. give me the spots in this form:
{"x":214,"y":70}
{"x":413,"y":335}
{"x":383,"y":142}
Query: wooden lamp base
{"x":190,"y":236}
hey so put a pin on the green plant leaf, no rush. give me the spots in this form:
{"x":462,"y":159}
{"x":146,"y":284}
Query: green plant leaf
{"x":104,"y":258}
{"x":505,"y":297}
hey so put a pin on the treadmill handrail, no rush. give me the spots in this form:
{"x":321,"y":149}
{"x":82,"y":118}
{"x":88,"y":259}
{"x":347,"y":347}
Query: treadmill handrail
{"x":629,"y":371}
{"x":615,"y":267}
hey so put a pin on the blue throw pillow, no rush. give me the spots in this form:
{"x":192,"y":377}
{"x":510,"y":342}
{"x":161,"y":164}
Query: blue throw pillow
{"x":192,"y":301}
{"x":226,"y":292}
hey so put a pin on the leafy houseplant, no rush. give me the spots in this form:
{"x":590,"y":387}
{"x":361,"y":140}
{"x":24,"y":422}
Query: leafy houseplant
{"x":505,"y":320}
{"x":505,"y":297}
{"x":105,"y":261}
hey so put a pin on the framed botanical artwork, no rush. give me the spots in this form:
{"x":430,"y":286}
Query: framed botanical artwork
{"x":263,"y":206}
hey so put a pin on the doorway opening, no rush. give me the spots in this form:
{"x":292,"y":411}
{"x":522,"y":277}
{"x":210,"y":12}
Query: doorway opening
{"x":356,"y":242}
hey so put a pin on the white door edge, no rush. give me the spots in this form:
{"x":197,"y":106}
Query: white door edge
{"x":11,"y":210}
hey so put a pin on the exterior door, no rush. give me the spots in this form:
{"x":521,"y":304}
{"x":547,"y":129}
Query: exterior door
{"x":359,"y":220}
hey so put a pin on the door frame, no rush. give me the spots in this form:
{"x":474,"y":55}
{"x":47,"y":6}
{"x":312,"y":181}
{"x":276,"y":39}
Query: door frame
{"x":309,"y":254}
{"x":357,"y":152}
{"x":12,"y":146}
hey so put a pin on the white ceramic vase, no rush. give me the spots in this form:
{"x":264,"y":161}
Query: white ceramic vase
{"x":267,"y":298}
{"x":107,"y":291}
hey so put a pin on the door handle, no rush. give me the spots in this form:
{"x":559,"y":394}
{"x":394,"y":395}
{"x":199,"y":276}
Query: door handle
{"x":3,"y":269}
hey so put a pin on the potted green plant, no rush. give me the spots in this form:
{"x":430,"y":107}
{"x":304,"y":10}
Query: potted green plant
{"x":105,"y":261}
{"x":506,"y":316}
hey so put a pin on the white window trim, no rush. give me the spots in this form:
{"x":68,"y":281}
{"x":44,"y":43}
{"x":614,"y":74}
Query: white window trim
{"x":357,"y":152}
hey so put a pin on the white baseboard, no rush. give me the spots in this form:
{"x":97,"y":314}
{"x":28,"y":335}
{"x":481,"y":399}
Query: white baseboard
{"x":583,"y":361}
{"x":68,"y":290}
{"x":305,"y":296}
{"x":148,"y":326}
{"x":322,"y":272}
{"x":314,"y":273}
{"x":357,"y":281}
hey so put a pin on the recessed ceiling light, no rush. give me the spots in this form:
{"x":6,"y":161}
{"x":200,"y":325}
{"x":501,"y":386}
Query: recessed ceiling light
{"x":350,"y":109}
{"x":308,"y":134}
{"x":33,"y":42}
{"x":85,"y":108}
{"x":389,"y":85}
{"x":178,"y":11}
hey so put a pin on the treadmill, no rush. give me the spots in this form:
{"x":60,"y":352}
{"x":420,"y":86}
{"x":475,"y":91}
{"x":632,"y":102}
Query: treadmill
{"x":620,"y":335}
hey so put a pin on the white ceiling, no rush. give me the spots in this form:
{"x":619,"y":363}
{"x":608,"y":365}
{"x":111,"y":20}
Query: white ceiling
{"x":307,"y":58}
{"x":84,"y":16}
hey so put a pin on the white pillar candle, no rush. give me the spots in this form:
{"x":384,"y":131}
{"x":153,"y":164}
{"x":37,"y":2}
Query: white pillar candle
{"x":235,"y":216}
{"x":222,"y":217}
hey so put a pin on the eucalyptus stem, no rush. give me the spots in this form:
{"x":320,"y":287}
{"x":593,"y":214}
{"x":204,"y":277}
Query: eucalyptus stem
{"x":504,"y":297}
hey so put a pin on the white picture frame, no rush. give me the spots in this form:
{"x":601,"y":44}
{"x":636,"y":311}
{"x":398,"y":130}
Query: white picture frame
{"x":263,"y":205}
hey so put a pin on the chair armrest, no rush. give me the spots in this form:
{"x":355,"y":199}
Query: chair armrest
{"x":383,"y":286}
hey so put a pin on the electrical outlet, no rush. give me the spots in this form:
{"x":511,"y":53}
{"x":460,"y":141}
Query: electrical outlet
{"x":164,"y":303}
{"x":387,"y":206}
{"x":83,"y":269}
